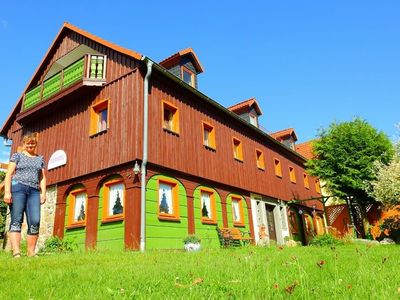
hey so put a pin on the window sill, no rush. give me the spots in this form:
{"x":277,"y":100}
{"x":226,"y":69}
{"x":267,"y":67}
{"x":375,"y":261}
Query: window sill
{"x":75,"y":225}
{"x":209,"y":222}
{"x":210,"y":148}
{"x":171,"y":131}
{"x":169,"y":218}
{"x":279,"y":176}
{"x":112,"y":219}
{"x":261,"y":169}
{"x":238,"y":160}
{"x":98,"y":133}
{"x":239,"y":224}
{"x":294,"y":182}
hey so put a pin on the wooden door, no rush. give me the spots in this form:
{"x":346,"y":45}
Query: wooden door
{"x":271,"y":221}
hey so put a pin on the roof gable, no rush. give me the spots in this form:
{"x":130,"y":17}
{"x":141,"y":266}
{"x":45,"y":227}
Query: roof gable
{"x":65,"y":29}
{"x":246,"y":106}
{"x":176,"y":58}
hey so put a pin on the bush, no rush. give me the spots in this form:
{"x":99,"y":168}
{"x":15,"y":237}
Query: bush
{"x":388,"y":225}
{"x":325,"y":240}
{"x":191,"y":239}
{"x":55,"y":244}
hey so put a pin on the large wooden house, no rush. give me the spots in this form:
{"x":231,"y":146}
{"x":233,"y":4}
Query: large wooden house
{"x":140,"y":158}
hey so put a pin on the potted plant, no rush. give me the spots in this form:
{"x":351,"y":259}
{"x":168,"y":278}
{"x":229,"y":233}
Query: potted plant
{"x":192,"y":243}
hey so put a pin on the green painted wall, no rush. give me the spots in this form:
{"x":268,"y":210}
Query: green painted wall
{"x":76,"y":234}
{"x":207,"y":232}
{"x":162,"y":234}
{"x":230,"y":216}
{"x":110,"y":236}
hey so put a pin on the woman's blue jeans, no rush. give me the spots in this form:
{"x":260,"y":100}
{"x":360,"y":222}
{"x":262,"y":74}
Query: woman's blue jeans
{"x":25,"y":199}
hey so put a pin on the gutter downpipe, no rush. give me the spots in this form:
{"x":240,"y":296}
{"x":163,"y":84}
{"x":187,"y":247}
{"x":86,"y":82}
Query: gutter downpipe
{"x":145,"y":148}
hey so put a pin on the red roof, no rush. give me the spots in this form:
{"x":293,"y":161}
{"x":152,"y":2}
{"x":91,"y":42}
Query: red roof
{"x":305,"y":149}
{"x":174,"y":59}
{"x":285,"y":132}
{"x":246,"y":104}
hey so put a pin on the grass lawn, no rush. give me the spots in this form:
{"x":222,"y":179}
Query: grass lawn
{"x":344,"y":272}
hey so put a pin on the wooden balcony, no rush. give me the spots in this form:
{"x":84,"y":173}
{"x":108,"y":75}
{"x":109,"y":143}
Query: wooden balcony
{"x":89,"y":70}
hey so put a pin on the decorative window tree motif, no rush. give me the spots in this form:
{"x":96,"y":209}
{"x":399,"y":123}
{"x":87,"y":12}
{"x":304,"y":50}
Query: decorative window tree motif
{"x":115,"y":203}
{"x":206,"y":210}
{"x":77,"y":208}
{"x":80,"y":207}
{"x":168,"y":202}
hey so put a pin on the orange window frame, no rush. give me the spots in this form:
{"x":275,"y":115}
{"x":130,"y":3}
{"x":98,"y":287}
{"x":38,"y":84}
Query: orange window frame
{"x":278,"y":167}
{"x":237,"y":149}
{"x":306,"y":182}
{"x":211,"y":135}
{"x":292,"y":174}
{"x":317,"y":186}
{"x":174,"y":128}
{"x":71,"y":209}
{"x":260,"y":159}
{"x":213,"y":219}
{"x":175,"y":201}
{"x":106,"y":201}
{"x":95,"y":110}
{"x":239,"y":200}
{"x":293,"y":222}
{"x":191,"y":73}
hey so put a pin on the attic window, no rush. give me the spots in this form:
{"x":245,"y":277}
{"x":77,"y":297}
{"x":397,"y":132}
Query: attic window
{"x":187,"y":76}
{"x":253,"y":120}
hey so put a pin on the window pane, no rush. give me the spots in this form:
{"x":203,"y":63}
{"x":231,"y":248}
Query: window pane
{"x":168,"y":118}
{"x":102,"y":125}
{"x":165,"y":198}
{"x":206,"y":137}
{"x":206,"y":205}
{"x":253,"y":120}
{"x":116,"y":199}
{"x":236,"y":211}
{"x":187,"y":77}
{"x":80,"y":207}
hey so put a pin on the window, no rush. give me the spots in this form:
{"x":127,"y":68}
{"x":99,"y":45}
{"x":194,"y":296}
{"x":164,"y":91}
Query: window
{"x":278,"y":168}
{"x":237,"y":211}
{"x":99,"y":117}
{"x":292,"y":174}
{"x":293,"y":222}
{"x":77,"y":208}
{"x":208,"y":211}
{"x":305,"y":179}
{"x":208,"y":136}
{"x":317,"y":186}
{"x":188,"y":76}
{"x":168,"y":201}
{"x":170,"y":117}
{"x":97,"y":67}
{"x":237,"y":149}
{"x":260,"y":159}
{"x":253,"y":120}
{"x":114,"y":200}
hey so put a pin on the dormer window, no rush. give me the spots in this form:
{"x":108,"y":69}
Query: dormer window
{"x":188,"y":76}
{"x":253,"y":120}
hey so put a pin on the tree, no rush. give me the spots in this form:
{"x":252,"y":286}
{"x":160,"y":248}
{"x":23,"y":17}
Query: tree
{"x":386,"y":187}
{"x":117,"y":208}
{"x":344,"y":158}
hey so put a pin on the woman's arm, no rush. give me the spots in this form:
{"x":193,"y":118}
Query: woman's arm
{"x":7,"y":182}
{"x":42,"y":187}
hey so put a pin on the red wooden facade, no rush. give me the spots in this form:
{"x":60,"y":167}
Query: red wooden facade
{"x":64,"y":123}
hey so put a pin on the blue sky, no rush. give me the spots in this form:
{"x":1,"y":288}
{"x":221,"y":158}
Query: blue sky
{"x":308,"y":63}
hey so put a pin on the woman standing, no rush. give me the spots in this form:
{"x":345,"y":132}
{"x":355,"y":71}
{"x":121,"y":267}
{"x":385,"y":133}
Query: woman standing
{"x":25,"y":191}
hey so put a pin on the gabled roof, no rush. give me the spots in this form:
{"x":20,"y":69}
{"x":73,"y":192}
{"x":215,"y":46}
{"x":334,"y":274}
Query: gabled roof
{"x":246,"y":104}
{"x":285,"y":132}
{"x":66,"y":26}
{"x":175,"y":58}
{"x":305,"y":149}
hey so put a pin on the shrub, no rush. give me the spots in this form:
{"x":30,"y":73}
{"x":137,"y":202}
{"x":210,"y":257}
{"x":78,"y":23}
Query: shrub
{"x":325,"y":240}
{"x":191,"y":239}
{"x":55,"y":244}
{"x":388,"y":225}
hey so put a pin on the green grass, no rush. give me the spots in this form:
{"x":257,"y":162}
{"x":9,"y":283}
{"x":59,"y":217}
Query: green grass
{"x":344,"y":272}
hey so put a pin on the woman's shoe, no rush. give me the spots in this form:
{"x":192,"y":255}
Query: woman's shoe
{"x":17,"y":255}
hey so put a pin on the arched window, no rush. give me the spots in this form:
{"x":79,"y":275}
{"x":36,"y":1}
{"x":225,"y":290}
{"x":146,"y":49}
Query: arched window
{"x":77,"y":207}
{"x":113,"y":199}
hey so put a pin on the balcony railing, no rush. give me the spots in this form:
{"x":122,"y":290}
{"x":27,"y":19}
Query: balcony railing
{"x":94,"y":68}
